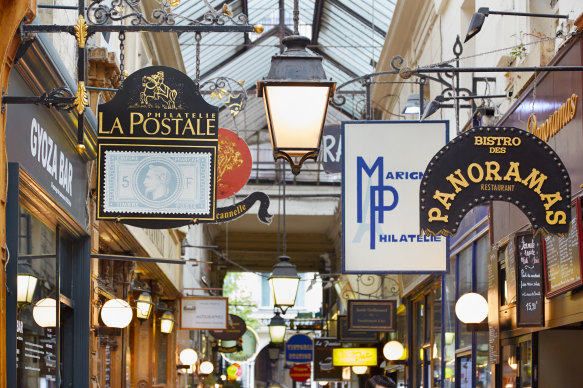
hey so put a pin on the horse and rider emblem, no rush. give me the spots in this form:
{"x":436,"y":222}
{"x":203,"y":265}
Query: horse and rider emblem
{"x":156,"y":90}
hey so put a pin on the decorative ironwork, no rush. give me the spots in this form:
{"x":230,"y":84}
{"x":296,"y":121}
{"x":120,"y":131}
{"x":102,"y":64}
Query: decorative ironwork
{"x":81,"y":31}
{"x":229,"y":92}
{"x":381,"y":286}
{"x":81,"y":98}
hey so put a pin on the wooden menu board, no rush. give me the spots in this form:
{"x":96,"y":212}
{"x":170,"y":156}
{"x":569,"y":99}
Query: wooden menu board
{"x":493,"y":308}
{"x":510,"y":270}
{"x":530,"y":306}
{"x":563,"y":258}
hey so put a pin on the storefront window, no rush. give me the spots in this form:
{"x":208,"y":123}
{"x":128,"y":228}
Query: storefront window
{"x":525,"y":351}
{"x":483,"y":370}
{"x":436,"y":351}
{"x":464,"y":286}
{"x":449,"y":327}
{"x":36,"y":345}
{"x":509,"y":366}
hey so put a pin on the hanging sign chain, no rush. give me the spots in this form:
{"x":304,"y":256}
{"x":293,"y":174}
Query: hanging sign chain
{"x":197,"y":38}
{"x":122,"y":38}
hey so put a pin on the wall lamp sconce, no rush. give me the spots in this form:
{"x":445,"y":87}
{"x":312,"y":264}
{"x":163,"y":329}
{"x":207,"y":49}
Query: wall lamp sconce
{"x":144,"y":301}
{"x":479,"y":17}
{"x":26,"y":284}
{"x":439,"y":101}
{"x":167,"y":322}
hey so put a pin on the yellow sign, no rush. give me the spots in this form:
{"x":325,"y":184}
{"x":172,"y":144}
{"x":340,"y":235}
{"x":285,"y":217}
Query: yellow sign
{"x":354,"y":357}
{"x":555,"y":122}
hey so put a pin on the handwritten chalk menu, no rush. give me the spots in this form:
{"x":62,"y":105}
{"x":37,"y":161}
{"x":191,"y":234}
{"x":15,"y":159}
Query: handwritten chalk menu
{"x":36,"y":358}
{"x":493,"y":309}
{"x":530,"y":302}
{"x":563,"y":261}
{"x":510,"y":272}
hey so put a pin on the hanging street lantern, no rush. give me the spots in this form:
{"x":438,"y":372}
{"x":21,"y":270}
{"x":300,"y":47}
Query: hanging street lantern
{"x":393,"y":350}
{"x":206,"y":368}
{"x":295,"y":95}
{"x":188,"y":356}
{"x":167,"y":322}
{"x":116,"y":313}
{"x":277,"y":329}
{"x":471,"y":308}
{"x":26,"y":284}
{"x":284,"y":281}
{"x":44,"y":312}
{"x":144,"y":305}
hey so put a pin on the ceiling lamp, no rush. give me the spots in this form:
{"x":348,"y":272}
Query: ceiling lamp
{"x":44,"y":312}
{"x":295,"y":95}
{"x":188,"y":356}
{"x":144,"y":305}
{"x":471,"y":308}
{"x":277,"y":329}
{"x":116,"y":313}
{"x":393,"y":350}
{"x":284,"y":281}
{"x":167,"y":322}
{"x":206,"y":368}
{"x":479,"y":17}
{"x":359,"y":370}
{"x":26,"y":284}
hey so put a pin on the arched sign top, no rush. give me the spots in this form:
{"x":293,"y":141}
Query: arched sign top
{"x":495,"y":164}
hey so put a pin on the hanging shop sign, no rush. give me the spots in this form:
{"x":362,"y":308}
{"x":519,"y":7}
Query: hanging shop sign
{"x":233,"y":164}
{"x":158,"y":141}
{"x":354,"y":356}
{"x":249,"y":348}
{"x":563,"y":266}
{"x":236,"y":328}
{"x":380,"y":197}
{"x":204,"y":313}
{"x":371,"y":315}
{"x":299,"y":348}
{"x":331,"y":149}
{"x":346,"y":335}
{"x":556,"y":121}
{"x":530,"y":307}
{"x":232,"y":212}
{"x":300,"y":373}
{"x":324,"y":369}
{"x":36,"y":139}
{"x":495,"y":163}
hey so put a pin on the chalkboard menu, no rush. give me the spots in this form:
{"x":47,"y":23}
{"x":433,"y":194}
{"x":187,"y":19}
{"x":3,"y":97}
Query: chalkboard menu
{"x":563,"y":258}
{"x":493,"y":309}
{"x":530,"y":307}
{"x":510,"y":271}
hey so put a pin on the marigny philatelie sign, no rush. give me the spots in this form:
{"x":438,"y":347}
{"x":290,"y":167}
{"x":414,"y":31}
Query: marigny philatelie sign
{"x":383,"y":168}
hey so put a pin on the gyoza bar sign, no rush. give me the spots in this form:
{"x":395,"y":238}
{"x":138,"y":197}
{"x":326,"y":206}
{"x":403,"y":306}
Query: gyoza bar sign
{"x":495,"y":164}
{"x":158,"y":141}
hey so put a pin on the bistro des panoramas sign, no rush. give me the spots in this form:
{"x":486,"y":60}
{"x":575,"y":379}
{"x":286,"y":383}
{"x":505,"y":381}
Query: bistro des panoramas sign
{"x":495,"y":164}
{"x":158,"y":143}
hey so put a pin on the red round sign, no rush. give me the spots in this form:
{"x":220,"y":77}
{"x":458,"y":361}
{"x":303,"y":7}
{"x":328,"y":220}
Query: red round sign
{"x":300,"y":373}
{"x":234,"y":163}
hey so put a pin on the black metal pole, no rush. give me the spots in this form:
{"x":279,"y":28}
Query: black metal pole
{"x":537,"y":15}
{"x":427,"y":70}
{"x":368,"y":106}
{"x":421,"y":94}
{"x":58,"y":308}
{"x":92,"y":29}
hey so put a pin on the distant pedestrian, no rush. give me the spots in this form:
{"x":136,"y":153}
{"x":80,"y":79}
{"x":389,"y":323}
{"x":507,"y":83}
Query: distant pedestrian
{"x":380,"y":381}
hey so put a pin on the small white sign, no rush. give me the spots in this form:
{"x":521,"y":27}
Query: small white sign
{"x":204,"y":313}
{"x":383,"y":166}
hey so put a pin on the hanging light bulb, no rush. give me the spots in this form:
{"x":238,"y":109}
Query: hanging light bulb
{"x":44,"y":312}
{"x":116,"y":313}
{"x":167,"y":322}
{"x":144,"y":305}
{"x":188,"y":356}
{"x":206,"y":368}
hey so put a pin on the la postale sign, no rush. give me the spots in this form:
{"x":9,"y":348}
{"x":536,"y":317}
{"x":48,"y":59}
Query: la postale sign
{"x":492,"y":163}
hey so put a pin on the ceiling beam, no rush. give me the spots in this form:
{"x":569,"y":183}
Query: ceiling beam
{"x":361,"y":19}
{"x":317,"y":20}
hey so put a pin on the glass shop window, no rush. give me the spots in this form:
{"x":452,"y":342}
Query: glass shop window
{"x":162,"y":357}
{"x":449,"y":327}
{"x":37,"y":291}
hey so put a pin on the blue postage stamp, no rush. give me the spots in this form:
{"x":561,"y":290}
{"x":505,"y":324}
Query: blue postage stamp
{"x":157,"y":182}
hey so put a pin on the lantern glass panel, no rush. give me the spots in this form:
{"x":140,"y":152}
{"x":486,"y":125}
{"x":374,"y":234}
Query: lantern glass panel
{"x":284,"y":290}
{"x":26,"y":284}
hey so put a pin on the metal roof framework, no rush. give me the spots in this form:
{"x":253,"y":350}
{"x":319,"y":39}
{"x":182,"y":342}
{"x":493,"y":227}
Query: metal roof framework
{"x":349,"y":35}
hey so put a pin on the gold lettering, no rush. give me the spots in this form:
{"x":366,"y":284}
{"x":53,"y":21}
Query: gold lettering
{"x":513,"y":172}
{"x":492,"y":170}
{"x":551,"y":199}
{"x":117,"y":125}
{"x":532,"y":180}
{"x":188,"y":125}
{"x":145,"y":126}
{"x":457,"y":181}
{"x":101,"y":124}
{"x":557,"y":217}
{"x":132,"y":122}
{"x":435,"y":215}
{"x":471,"y":174}
{"x":444,"y":198}
{"x":478,"y":140}
{"x":165,"y":125}
{"x":210,"y":125}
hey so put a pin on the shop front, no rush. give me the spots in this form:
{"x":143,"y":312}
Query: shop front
{"x":47,"y":238}
{"x":537,"y":315}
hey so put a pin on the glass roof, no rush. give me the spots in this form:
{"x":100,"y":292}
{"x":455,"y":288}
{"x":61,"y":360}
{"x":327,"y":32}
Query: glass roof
{"x":349,"y":35}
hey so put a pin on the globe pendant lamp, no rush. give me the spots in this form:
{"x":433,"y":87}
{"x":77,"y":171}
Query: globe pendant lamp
{"x":26,"y":284}
{"x":167,"y":322}
{"x":116,"y":313}
{"x":44,"y":312}
{"x":144,"y":305}
{"x":284,"y":281}
{"x":393,"y":350}
{"x":295,"y":95}
{"x":471,"y":308}
{"x":277,"y":329}
{"x":188,"y":356}
{"x":206,"y":368}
